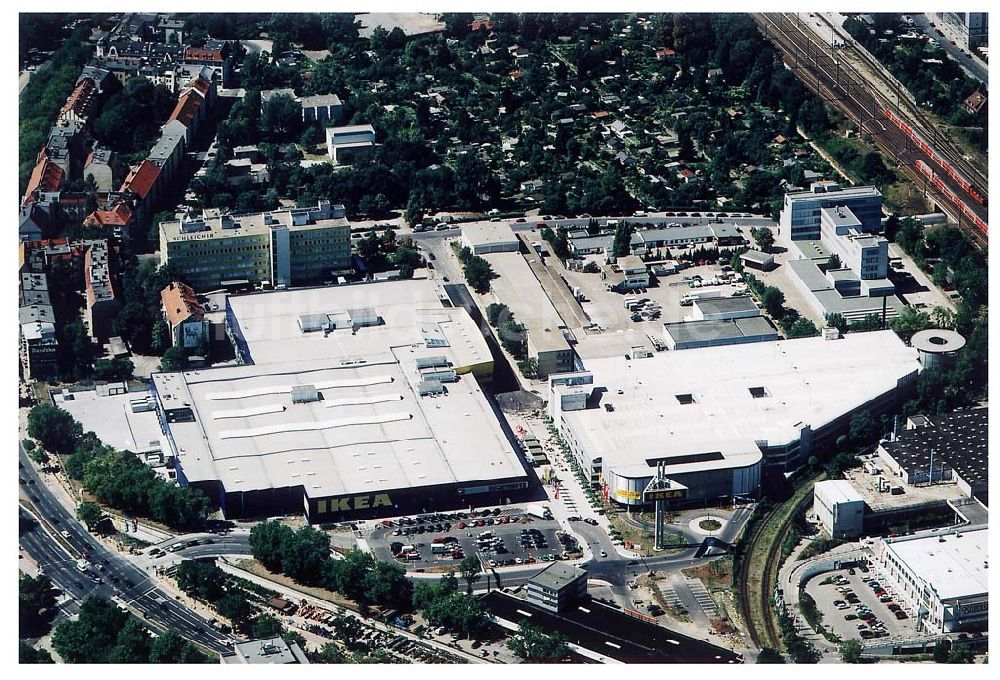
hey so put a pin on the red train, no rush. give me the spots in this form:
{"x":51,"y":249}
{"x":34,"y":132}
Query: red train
{"x":969,"y":188}
{"x":975,"y":219}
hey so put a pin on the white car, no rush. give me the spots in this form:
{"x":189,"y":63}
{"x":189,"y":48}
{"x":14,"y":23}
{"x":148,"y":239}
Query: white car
{"x":64,"y":533}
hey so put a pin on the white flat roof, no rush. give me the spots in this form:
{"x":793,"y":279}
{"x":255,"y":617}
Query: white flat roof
{"x":519,"y":289}
{"x":411,"y":314}
{"x":806,"y":382}
{"x":488,"y":233}
{"x":954,"y":567}
{"x":838,"y":491}
{"x":371,"y":431}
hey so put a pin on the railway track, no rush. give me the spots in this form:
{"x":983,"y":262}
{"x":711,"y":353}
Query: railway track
{"x":822,"y":71}
{"x":769,"y":636}
{"x":907,"y":106}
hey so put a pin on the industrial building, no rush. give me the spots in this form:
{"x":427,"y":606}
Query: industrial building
{"x":800,"y":214}
{"x":634,"y":272}
{"x":284,"y":247}
{"x":354,"y":401}
{"x":350,"y":143}
{"x":946,"y":449}
{"x":557,"y":587}
{"x":517,"y":287}
{"x":840,"y":508}
{"x":489,"y":237}
{"x":755,"y":259}
{"x":715,"y":333}
{"x":939,"y":577}
{"x":722,"y":308}
{"x":937,"y":346}
{"x":718,"y":415}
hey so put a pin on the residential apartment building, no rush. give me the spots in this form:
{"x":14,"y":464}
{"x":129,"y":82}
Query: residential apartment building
{"x":37,"y":330}
{"x":286,"y":247}
{"x":102,"y":299}
{"x":185,"y":316}
{"x":557,"y":587}
{"x":801,"y":215}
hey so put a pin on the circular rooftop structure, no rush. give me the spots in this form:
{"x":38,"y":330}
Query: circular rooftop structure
{"x":937,"y":341}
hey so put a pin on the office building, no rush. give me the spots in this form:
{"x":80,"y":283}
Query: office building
{"x":801,"y":214}
{"x":634,"y":271}
{"x":939,"y":577}
{"x":841,"y":232}
{"x":557,"y":587}
{"x":284,"y":247}
{"x":266,"y":651}
{"x":840,"y":508}
{"x":715,"y":333}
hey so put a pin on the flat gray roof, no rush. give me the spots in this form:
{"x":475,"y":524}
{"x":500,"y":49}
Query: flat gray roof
{"x":519,"y":289}
{"x":757,"y":256}
{"x":488,"y":233}
{"x":690,"y":331}
{"x":726,"y":304}
{"x":557,"y":575}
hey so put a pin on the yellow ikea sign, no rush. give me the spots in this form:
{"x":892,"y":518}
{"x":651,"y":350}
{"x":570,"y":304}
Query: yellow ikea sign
{"x":348,"y":503}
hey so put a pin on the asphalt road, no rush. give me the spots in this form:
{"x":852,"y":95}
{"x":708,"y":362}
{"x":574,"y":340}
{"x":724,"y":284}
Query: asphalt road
{"x":973,"y":66}
{"x":120,"y":578}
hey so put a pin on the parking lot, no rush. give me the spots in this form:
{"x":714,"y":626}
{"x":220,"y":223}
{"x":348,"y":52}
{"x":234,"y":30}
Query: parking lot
{"x":852,"y":609}
{"x":607,"y":309}
{"x":502,"y":540}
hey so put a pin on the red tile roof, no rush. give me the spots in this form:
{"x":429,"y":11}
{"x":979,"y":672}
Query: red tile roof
{"x":46,"y":176}
{"x":141,"y":179}
{"x":201,"y":85}
{"x":119,"y":216}
{"x":198,"y":53}
{"x":187,"y":108}
{"x":180,"y":303}
{"x":82,"y":99}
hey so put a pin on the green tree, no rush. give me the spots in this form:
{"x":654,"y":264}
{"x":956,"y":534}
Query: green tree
{"x":478,"y":274}
{"x":92,"y":637}
{"x":268,"y":541}
{"x":961,"y":654}
{"x":470,"y":568}
{"x":266,"y":626}
{"x":173,"y":359}
{"x":850,"y":651}
{"x":837,"y":320}
{"x":908,"y":322}
{"x":764,"y":238}
{"x":26,"y":654}
{"x":620,"y":247}
{"x":495,"y":311}
{"x":941,"y":651}
{"x":54,"y":428}
{"x":304,"y":555}
{"x":534,"y":645}
{"x":281,"y":118}
{"x":802,"y":328}
{"x":172,"y":648}
{"x":833,"y":262}
{"x":35,"y":597}
{"x":131,"y":644}
{"x":235,"y":607}
{"x":203,"y":580}
{"x":90,"y":514}
{"x":118,"y":369}
{"x":773,"y":301}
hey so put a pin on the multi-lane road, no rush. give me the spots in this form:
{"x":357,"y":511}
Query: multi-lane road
{"x":114,"y":576}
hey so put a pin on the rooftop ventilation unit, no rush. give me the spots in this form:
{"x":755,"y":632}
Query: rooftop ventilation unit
{"x":303,"y":394}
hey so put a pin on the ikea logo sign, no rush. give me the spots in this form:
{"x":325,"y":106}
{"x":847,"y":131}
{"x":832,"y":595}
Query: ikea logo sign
{"x":349,"y":503}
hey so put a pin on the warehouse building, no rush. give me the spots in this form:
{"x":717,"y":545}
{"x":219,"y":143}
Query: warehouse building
{"x":716,"y":333}
{"x":755,"y":259}
{"x":353,"y":401}
{"x":722,"y":308}
{"x":840,"y":508}
{"x":489,"y":237}
{"x":718,"y":415}
{"x":939,"y":577}
{"x":517,"y":287}
{"x":946,"y":449}
{"x":284,"y":247}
